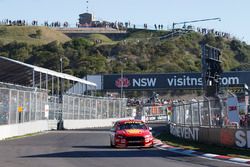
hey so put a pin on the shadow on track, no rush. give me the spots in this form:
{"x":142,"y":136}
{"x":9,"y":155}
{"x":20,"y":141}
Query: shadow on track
{"x":118,"y":153}
{"x":93,"y":147}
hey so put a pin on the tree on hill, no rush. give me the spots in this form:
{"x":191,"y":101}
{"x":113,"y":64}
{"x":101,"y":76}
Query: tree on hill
{"x":82,"y":57}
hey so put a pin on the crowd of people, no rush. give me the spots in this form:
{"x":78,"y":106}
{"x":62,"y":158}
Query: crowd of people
{"x":9,"y":22}
{"x":13,"y":22}
{"x":114,"y":25}
{"x":56,"y":24}
{"x":205,"y":31}
{"x":106,"y":24}
{"x":148,"y":101}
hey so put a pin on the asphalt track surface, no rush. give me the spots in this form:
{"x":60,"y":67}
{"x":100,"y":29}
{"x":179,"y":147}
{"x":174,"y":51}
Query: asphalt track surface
{"x":90,"y":148}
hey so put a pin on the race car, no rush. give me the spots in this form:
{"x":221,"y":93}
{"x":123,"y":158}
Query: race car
{"x":126,"y":133}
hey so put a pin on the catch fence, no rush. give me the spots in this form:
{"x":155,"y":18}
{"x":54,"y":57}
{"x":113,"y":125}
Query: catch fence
{"x":88,"y":107}
{"x":23,"y":104}
{"x":210,"y":113}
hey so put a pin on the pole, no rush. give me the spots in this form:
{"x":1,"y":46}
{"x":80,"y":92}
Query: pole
{"x":61,"y":65}
{"x":173,"y":30}
{"x":60,"y":122}
{"x":121,"y":83}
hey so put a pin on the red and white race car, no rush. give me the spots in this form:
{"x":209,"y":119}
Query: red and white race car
{"x":131,"y":133}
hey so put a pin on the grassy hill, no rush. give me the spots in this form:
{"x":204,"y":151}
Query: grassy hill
{"x":101,"y":37}
{"x":30,"y":34}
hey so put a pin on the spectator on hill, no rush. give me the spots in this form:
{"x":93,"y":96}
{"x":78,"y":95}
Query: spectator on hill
{"x":126,"y":24}
{"x":155,"y":27}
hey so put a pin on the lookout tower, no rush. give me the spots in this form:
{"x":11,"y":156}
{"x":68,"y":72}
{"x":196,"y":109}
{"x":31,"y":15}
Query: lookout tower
{"x":85,"y":18}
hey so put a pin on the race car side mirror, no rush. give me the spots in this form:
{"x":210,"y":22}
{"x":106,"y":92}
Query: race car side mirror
{"x":150,"y":128}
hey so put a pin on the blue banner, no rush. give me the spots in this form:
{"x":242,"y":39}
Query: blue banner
{"x":168,"y":80}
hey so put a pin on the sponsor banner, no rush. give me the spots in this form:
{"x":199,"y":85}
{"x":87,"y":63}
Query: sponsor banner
{"x":167,"y":81}
{"x":185,"y":132}
{"x":227,"y":137}
{"x":156,"y":118}
{"x":242,"y":138}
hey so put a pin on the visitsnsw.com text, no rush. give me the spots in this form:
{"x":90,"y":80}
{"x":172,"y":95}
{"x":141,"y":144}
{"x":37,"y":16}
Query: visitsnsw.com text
{"x":179,"y":81}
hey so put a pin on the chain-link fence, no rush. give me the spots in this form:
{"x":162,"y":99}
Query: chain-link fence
{"x":223,"y":112}
{"x":88,"y":107}
{"x":22,"y":104}
{"x":18,"y":106}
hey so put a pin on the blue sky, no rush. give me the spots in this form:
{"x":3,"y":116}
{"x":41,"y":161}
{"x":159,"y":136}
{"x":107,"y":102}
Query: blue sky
{"x":233,"y":13}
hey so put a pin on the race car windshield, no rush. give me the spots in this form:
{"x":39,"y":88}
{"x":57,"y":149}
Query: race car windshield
{"x":132,"y":126}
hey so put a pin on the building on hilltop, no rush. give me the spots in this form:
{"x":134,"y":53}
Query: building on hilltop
{"x":86,"y":19}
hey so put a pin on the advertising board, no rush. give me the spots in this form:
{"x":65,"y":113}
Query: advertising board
{"x":242,"y":138}
{"x":167,"y":80}
{"x":190,"y":133}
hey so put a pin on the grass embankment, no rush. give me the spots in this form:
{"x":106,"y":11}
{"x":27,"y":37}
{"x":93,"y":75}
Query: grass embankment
{"x":205,"y":148}
{"x":101,"y":37}
{"x":34,"y":35}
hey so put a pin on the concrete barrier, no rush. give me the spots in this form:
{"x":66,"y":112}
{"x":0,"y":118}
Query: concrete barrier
{"x":7,"y":131}
{"x":93,"y":123}
{"x":230,"y":137}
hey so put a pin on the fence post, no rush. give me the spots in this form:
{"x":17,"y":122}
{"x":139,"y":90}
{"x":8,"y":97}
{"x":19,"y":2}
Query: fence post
{"x":84,"y":108}
{"x":90,"y":108}
{"x":24,"y":106}
{"x":54,"y":107}
{"x":191,"y":108}
{"x":96,"y":101}
{"x":113,"y":108}
{"x":107,"y":102}
{"x":79,"y":108}
{"x":209,"y":115}
{"x":120,"y":109}
{"x":9,"y":106}
{"x":17,"y":101}
{"x":199,"y":113}
{"x":73,"y":107}
{"x":102,"y":108}
{"x":126,"y":112}
{"x":179,"y":114}
{"x":184,"y":107}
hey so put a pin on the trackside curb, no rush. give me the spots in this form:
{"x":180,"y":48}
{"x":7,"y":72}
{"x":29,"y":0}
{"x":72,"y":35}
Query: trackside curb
{"x":160,"y":145}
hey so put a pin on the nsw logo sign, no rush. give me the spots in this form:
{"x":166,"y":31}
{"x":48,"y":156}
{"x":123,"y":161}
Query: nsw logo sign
{"x":122,"y":82}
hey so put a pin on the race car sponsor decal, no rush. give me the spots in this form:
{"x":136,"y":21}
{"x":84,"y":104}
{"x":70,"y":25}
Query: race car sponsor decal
{"x":133,"y":131}
{"x":133,"y":122}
